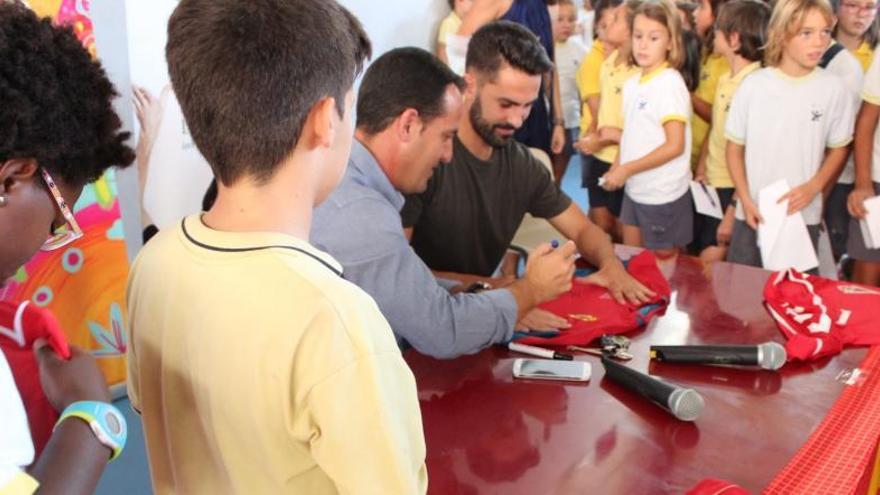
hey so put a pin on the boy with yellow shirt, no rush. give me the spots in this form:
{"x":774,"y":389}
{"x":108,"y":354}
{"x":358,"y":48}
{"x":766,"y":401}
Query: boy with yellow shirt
{"x":740,"y":34}
{"x":256,"y":366}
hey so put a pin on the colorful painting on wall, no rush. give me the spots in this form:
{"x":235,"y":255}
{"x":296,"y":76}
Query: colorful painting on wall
{"x":83,"y":284}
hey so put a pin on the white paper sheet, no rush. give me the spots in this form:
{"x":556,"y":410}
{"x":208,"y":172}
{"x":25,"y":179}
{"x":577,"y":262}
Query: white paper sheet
{"x":782,"y":238}
{"x":706,"y":200}
{"x":870,"y":225}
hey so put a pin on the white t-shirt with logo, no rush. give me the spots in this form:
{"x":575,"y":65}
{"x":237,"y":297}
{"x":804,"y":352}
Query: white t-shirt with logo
{"x":871,"y":94}
{"x":568,"y":59}
{"x":847,"y":66}
{"x":650,"y":101}
{"x":785,"y":124}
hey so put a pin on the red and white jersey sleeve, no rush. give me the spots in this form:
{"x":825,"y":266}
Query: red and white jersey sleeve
{"x":819,"y":316}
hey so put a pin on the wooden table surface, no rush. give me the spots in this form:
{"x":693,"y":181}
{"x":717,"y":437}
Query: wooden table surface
{"x":487,"y":433}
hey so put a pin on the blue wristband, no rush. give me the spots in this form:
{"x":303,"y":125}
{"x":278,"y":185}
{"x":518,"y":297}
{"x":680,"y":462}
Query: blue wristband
{"x":106,"y":422}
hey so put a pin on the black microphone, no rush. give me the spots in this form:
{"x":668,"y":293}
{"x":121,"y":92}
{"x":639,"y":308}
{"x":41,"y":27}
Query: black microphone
{"x":769,"y":355}
{"x":683,"y":403}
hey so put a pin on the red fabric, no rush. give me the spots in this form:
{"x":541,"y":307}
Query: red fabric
{"x":592,"y":311}
{"x":20,"y":326}
{"x":838,"y":456}
{"x":820,"y":316}
{"x":713,"y":486}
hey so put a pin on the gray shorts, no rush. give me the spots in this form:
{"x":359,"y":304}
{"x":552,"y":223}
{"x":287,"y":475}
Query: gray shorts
{"x":744,"y":244}
{"x":664,"y":226}
{"x":855,"y":244}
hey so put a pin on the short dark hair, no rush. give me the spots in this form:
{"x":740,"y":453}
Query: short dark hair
{"x":502,"y":42}
{"x":748,"y":18}
{"x":400,"y":79}
{"x":599,"y":8}
{"x":56,"y":101}
{"x":248,"y":73}
{"x":452,"y":5}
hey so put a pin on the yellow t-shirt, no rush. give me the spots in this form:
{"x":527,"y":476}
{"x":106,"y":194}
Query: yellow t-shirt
{"x":864,"y":54}
{"x":716,"y":161}
{"x":611,"y":79}
{"x":259,"y":369}
{"x":448,"y":26}
{"x":713,"y":67}
{"x":20,"y":484}
{"x":587,"y":79}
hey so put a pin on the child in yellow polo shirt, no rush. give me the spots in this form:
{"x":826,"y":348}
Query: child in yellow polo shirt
{"x":740,"y":34}
{"x":857,"y":29}
{"x":450,"y":25}
{"x":589,"y":88}
{"x":587,"y":77}
{"x":603,"y":144}
{"x":713,"y":66}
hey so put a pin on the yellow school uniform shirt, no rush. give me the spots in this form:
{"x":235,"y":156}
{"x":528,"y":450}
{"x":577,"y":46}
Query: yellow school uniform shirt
{"x":864,"y":54}
{"x":448,"y":26}
{"x":716,"y":161}
{"x":713,"y":67}
{"x":20,"y":484}
{"x":611,"y":79}
{"x":587,"y":79}
{"x":259,"y":369}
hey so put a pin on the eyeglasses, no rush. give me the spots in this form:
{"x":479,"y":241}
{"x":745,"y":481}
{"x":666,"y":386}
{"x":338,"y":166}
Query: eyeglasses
{"x":860,"y":8}
{"x":68,"y":232}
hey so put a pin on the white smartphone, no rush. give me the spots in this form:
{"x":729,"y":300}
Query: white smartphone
{"x":551,"y":369}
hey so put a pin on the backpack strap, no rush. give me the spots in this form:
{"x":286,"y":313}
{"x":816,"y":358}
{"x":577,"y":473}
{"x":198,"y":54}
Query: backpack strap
{"x":829,"y":54}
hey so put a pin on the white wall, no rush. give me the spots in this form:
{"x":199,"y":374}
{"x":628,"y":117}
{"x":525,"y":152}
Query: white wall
{"x":131,"y":36}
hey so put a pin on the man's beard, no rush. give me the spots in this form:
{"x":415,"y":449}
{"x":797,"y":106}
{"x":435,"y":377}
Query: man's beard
{"x":486,"y":129}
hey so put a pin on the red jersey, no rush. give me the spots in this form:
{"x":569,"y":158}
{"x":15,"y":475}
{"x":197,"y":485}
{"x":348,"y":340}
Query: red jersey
{"x":20,"y":326}
{"x":592,"y":312}
{"x":819,"y":316}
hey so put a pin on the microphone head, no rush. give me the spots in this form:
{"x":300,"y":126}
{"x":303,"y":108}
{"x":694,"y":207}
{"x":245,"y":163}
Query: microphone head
{"x":686,"y":404}
{"x":771,"y":356}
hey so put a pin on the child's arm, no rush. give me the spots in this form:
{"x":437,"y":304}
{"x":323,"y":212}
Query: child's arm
{"x":702,"y":108}
{"x":700,"y":173}
{"x":725,"y":228}
{"x":482,"y":12}
{"x":866,"y":125}
{"x":736,"y":165}
{"x":557,"y":141}
{"x":671,"y":148}
{"x":441,"y":53}
{"x":800,"y":196}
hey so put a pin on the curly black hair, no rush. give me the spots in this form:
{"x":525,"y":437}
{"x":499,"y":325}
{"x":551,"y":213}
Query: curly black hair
{"x":55,"y":101}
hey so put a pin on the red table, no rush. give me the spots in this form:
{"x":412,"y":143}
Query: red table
{"x":487,"y":433}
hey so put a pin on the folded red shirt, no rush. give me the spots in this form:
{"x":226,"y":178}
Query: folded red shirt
{"x":819,"y":316}
{"x":592,"y":312}
{"x":21,"y":325}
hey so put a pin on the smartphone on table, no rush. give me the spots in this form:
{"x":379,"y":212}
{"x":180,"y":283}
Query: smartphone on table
{"x":551,"y":369}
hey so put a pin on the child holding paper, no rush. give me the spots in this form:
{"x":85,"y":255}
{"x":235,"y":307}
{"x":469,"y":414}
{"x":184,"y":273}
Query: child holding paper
{"x":788,"y":121}
{"x":867,"y":164}
{"x":740,"y":35}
